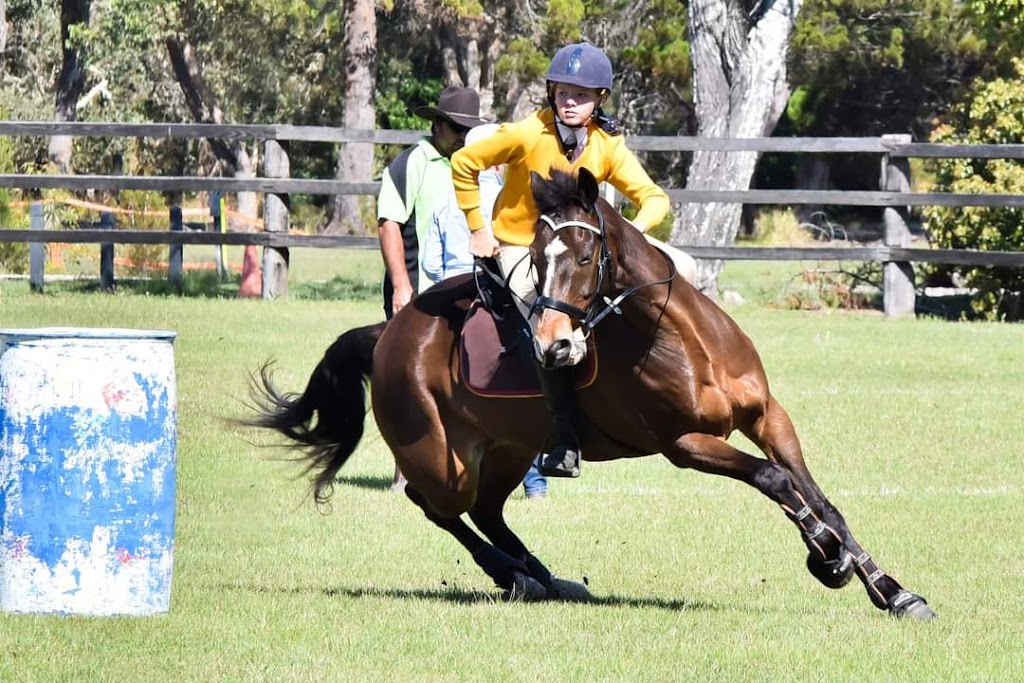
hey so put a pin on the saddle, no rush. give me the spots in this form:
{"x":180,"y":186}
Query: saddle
{"x":496,"y":349}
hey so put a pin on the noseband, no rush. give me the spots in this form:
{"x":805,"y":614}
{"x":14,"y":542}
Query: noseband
{"x":592,"y":315}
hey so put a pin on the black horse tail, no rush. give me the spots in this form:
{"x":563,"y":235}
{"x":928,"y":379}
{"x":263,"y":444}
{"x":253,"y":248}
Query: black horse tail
{"x":326,"y":421}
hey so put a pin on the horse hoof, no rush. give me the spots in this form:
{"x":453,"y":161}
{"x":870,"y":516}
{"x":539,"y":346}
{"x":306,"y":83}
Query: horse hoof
{"x":907,"y":604}
{"x":525,"y":589}
{"x":569,"y":591}
{"x":831,"y":573}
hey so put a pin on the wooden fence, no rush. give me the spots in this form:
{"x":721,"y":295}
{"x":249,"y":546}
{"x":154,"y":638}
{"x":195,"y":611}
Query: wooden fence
{"x":894,"y":152}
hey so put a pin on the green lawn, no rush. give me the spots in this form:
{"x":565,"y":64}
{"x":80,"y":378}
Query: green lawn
{"x":913,"y":427}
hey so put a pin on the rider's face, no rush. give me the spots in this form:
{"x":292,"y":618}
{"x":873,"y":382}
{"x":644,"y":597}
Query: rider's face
{"x":449,"y":137}
{"x":575,"y":104}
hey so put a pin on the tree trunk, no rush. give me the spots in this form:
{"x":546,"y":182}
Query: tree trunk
{"x":740,"y":90}
{"x":248,"y":209}
{"x":3,"y":26}
{"x":71,"y":81}
{"x":813,"y":173}
{"x":202,"y":104}
{"x":353,"y":214}
{"x":189,"y":74}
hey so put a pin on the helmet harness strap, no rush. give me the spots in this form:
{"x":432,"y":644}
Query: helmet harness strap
{"x":570,"y":141}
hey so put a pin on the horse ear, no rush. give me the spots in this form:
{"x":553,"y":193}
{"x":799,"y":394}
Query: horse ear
{"x":588,"y":189}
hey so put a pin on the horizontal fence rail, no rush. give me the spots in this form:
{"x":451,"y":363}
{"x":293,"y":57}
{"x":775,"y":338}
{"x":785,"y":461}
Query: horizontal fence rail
{"x":280,"y":240}
{"x":285,"y":240}
{"x":335,"y":187}
{"x":641,"y":143}
{"x":893,"y":150}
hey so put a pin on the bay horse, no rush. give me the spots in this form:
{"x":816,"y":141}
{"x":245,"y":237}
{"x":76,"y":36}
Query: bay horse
{"x":677,"y":376}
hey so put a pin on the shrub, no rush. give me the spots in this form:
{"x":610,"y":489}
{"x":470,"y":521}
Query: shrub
{"x":994,"y":115}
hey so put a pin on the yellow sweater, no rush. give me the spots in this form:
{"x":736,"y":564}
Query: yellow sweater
{"x":532,"y":145}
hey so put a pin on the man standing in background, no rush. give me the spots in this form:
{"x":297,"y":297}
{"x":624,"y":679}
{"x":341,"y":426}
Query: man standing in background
{"x":412,"y":186}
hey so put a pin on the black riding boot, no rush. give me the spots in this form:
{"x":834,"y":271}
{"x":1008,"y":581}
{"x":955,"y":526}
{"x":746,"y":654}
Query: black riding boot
{"x":563,"y":459}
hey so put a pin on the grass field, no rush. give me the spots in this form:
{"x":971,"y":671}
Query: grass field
{"x":913,"y":427}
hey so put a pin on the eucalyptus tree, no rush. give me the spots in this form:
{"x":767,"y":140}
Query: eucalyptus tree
{"x":353,"y":214}
{"x":738,"y":50}
{"x":3,"y":25}
{"x":74,"y":16}
{"x":219,"y":61}
{"x":871,"y":67}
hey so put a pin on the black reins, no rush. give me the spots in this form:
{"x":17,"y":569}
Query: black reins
{"x":599,"y":308}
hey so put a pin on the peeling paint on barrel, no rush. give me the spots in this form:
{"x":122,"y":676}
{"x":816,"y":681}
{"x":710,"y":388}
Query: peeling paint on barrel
{"x":88,"y":441}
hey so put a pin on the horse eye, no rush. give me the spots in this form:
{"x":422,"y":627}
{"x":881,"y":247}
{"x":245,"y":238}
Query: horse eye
{"x":584,"y":260}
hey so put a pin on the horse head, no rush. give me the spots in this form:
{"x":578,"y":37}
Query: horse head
{"x":571,"y":255}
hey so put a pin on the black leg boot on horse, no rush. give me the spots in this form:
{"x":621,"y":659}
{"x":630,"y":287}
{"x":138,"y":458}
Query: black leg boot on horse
{"x":562,"y":459}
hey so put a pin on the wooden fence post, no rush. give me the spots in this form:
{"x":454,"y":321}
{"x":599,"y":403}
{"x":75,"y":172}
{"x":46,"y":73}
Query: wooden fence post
{"x":275,"y":219}
{"x":106,"y":254}
{"x":219,"y":217}
{"x":898,"y":294}
{"x":36,"y":250}
{"x":176,"y":256}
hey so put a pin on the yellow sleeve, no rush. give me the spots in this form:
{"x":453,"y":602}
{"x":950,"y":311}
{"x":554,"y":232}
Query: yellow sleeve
{"x":628,"y":176}
{"x":505,"y":146}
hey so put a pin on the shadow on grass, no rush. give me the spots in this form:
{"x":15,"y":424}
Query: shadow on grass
{"x":469,"y":597}
{"x":205,"y":285}
{"x":366,"y":482}
{"x":338,"y":289}
{"x":952,"y":307}
{"x":209,"y":286}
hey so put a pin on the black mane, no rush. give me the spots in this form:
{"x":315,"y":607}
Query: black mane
{"x":556,"y":192}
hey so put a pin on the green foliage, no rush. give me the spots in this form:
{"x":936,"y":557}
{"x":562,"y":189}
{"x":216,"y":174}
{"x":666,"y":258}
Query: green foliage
{"x":661,"y":50}
{"x":995,"y":115}
{"x":13,"y":255}
{"x":869,"y":67}
{"x":563,"y":21}
{"x":399,"y":93}
{"x":1000,"y":23}
{"x":523,"y":59}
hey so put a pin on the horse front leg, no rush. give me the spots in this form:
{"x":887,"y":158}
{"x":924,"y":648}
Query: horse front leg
{"x":829,"y":559}
{"x":444,"y":486}
{"x":504,"y":569}
{"x":775,"y":434}
{"x":501,"y":471}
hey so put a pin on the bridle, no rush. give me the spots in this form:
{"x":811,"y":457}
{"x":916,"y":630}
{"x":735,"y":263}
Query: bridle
{"x":601,"y":305}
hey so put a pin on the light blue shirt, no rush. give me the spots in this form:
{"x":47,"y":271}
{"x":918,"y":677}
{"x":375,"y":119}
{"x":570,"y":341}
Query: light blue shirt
{"x":446,"y":246}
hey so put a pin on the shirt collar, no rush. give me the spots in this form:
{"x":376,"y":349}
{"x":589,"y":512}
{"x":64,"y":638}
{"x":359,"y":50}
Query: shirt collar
{"x":430,"y":151}
{"x":565,"y":131}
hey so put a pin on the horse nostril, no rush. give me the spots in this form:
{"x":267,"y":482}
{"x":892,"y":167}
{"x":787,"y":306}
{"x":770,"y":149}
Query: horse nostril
{"x":558,"y":353}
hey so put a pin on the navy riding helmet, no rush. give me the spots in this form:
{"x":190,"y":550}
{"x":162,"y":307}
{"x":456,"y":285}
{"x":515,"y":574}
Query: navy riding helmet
{"x":581,"y":64}
{"x":586,"y":66}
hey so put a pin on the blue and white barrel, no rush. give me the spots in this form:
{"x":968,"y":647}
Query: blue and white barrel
{"x":88,"y":440}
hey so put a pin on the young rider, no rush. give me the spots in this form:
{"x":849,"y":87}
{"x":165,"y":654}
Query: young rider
{"x":571,"y":133}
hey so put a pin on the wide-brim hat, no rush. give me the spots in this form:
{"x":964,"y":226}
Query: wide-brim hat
{"x":458,"y":105}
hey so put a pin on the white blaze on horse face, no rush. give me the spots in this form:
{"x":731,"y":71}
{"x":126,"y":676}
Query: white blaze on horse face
{"x":554,"y":325}
{"x":555,"y":248}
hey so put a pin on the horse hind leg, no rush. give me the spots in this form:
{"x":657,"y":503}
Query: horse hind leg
{"x":507,"y":572}
{"x":713,"y":455}
{"x":817,"y":519}
{"x":501,"y":471}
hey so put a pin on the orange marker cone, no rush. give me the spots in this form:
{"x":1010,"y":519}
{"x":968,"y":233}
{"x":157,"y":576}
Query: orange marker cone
{"x":252,"y":279}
